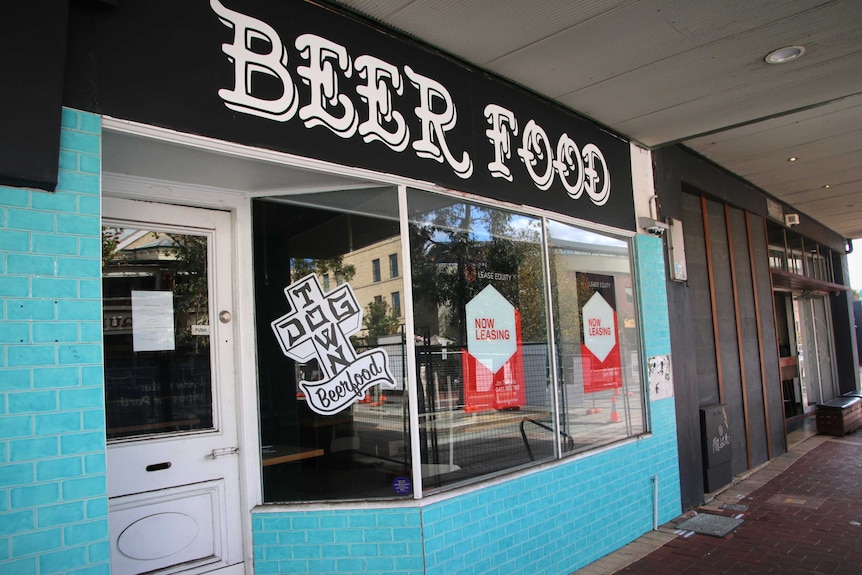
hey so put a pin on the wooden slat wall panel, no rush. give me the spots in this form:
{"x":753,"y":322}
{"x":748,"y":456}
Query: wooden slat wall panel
{"x":749,"y":339}
{"x":737,"y":315}
{"x":758,"y":311}
{"x":701,"y":308}
{"x":725,"y":322}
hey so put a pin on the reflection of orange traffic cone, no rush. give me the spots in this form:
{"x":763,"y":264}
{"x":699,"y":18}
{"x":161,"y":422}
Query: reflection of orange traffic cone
{"x":615,"y":417}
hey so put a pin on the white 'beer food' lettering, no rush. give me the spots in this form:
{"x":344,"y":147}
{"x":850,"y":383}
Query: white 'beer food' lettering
{"x":371,"y":109}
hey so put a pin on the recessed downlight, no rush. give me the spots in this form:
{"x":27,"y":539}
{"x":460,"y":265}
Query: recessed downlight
{"x":792,"y":159}
{"x":784,"y":55}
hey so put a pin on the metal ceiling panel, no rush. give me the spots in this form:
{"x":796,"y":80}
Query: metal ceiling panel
{"x":805,"y":130}
{"x":480,"y":31}
{"x":726,"y":83}
{"x":632,"y":38}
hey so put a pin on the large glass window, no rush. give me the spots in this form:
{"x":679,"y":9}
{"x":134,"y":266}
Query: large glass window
{"x":600,"y":396}
{"x":524,"y":331}
{"x":333,"y":407}
{"x":485,"y":401}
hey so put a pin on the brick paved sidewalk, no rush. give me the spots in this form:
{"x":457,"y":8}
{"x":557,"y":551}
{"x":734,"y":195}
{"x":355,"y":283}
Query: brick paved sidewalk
{"x":804,"y":516}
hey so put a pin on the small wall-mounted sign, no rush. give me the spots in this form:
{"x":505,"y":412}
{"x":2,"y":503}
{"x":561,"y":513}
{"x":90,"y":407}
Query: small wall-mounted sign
{"x":200,"y":330}
{"x":676,"y":251}
{"x":774,"y":210}
{"x":660,"y":377}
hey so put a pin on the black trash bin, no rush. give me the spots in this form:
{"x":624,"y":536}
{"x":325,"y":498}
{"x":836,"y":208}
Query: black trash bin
{"x":716,"y":447}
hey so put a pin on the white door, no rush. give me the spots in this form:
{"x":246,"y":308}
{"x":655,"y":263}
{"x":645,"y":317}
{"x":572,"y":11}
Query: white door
{"x":173,"y":465}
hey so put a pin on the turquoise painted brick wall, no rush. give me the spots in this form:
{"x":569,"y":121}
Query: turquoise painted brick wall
{"x":655,"y":335}
{"x":552,"y":522}
{"x":652,"y":293}
{"x":53,"y":497}
{"x":368,"y":541}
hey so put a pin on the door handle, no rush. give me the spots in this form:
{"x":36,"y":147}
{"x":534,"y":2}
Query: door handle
{"x":159,"y":466}
{"x":222,"y":452}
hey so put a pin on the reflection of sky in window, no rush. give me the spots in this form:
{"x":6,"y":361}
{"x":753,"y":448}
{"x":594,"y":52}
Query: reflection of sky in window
{"x":569,"y":233}
{"x":518,"y":227}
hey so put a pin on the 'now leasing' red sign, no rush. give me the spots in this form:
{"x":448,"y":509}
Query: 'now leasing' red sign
{"x":493,"y":365}
{"x":600,"y":347}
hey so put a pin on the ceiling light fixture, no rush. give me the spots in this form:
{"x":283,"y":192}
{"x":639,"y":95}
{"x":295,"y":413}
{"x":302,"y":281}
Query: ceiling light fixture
{"x":784,"y":55}
{"x":826,"y":185}
{"x":792,"y":159}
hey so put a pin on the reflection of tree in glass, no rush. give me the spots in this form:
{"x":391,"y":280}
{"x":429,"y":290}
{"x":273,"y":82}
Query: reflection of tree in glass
{"x":110,"y":240}
{"x":460,"y":249}
{"x":191,"y":300}
{"x":176,"y":262}
{"x":378,"y":319}
{"x":301,"y":267}
{"x":566,"y":313}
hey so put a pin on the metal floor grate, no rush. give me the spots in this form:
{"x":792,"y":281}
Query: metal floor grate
{"x":709,"y":524}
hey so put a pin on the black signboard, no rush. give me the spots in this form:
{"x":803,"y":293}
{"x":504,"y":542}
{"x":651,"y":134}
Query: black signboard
{"x":307,"y":79}
{"x":716,"y":447}
{"x":33,"y":44}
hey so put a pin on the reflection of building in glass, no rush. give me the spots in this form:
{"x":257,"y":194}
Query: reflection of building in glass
{"x":371,"y":283}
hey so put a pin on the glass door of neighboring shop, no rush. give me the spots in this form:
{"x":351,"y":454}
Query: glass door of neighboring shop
{"x":793,"y":392}
{"x":815,"y":348}
{"x":173,"y":470}
{"x":806,"y":351}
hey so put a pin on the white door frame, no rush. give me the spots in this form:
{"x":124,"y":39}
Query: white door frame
{"x":221,"y":491}
{"x":245,"y":408}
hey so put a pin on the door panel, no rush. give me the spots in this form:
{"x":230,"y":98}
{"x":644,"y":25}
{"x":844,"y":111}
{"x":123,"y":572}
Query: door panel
{"x":173,"y":470}
{"x":823,"y":333}
{"x":177,"y":525}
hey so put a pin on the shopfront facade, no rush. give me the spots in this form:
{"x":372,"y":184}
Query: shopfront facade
{"x":307,"y":297}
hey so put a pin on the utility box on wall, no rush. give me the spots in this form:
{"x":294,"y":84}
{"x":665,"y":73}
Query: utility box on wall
{"x":715,"y":446}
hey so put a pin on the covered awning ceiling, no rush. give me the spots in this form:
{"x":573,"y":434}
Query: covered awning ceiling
{"x":683,"y":71}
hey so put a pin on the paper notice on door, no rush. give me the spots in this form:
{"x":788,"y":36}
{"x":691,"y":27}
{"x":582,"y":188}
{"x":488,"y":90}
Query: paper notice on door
{"x":153,"y":321}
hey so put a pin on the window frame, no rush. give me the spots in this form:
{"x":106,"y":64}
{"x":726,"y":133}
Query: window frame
{"x":396,"y":302}
{"x":376,"y":276}
{"x":393,"y":266}
{"x":407,"y":313}
{"x":544,"y":216}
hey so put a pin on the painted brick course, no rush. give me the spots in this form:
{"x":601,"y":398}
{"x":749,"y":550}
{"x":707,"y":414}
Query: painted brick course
{"x":552,"y":521}
{"x":53,"y":499}
{"x":349,"y":541}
